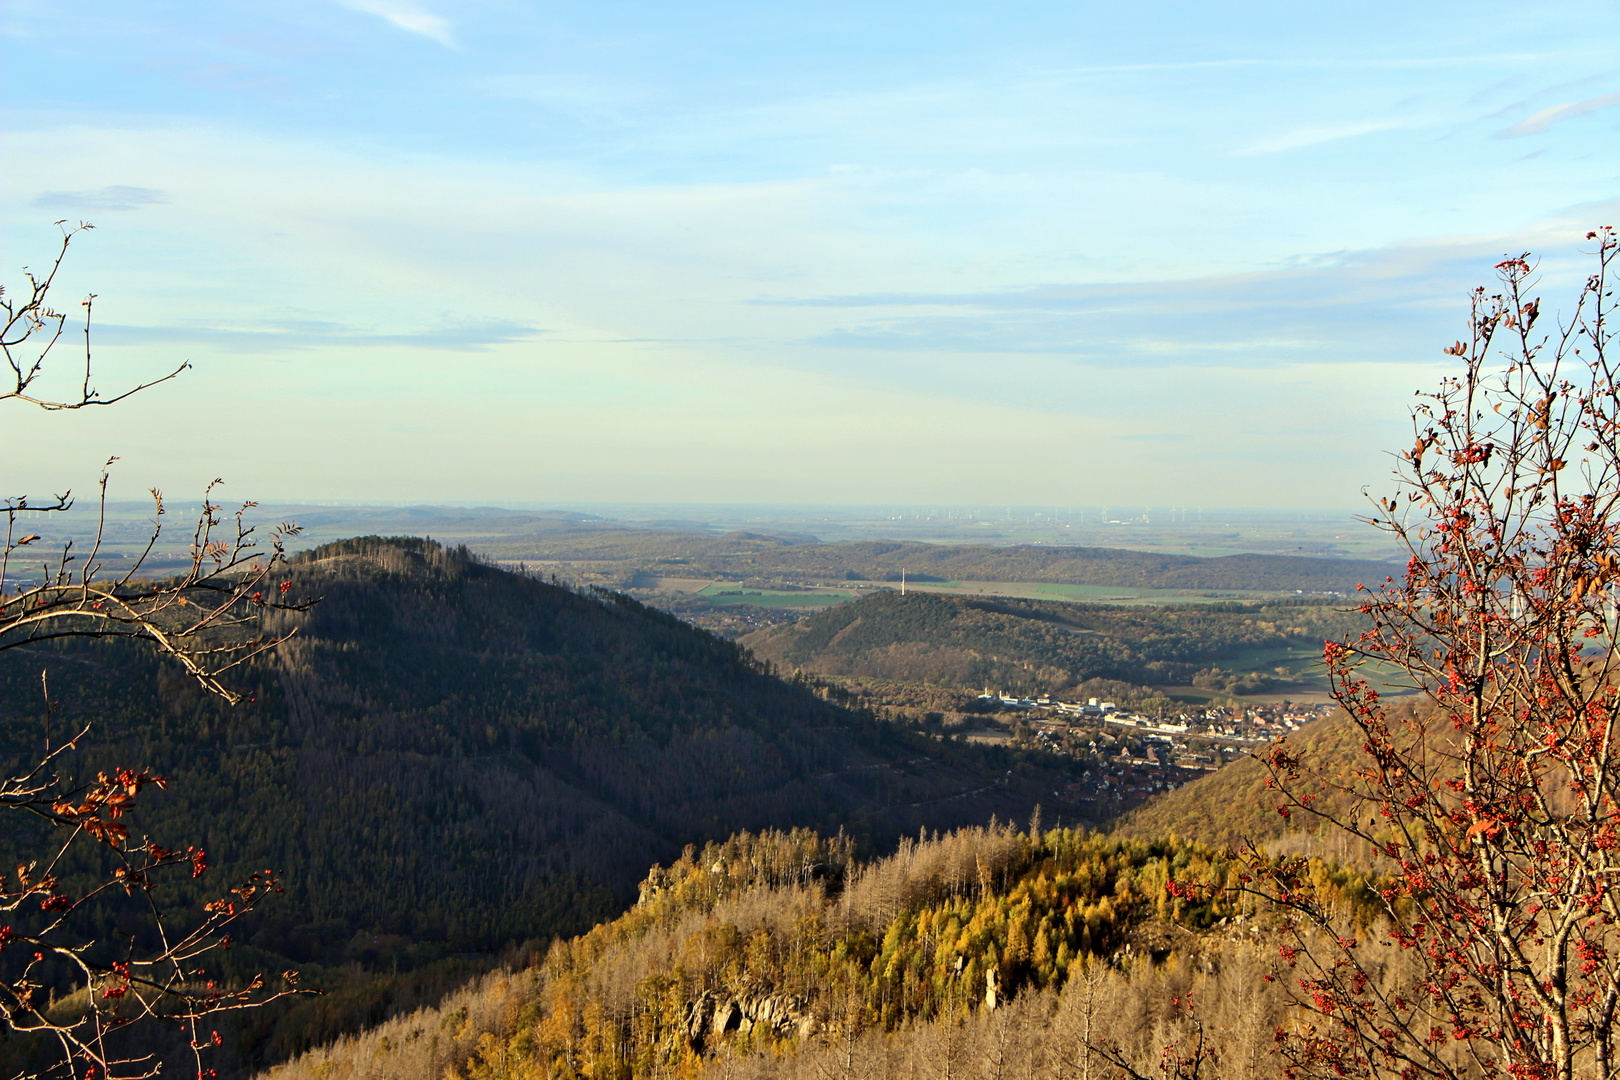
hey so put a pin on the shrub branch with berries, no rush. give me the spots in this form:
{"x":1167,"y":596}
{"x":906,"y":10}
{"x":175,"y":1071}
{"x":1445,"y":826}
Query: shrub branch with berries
{"x":1493,"y":804}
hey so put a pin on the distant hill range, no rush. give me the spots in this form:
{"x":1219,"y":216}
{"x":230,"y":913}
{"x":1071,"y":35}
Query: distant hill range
{"x":742,"y":555}
{"x":448,"y":756}
{"x":1027,"y":645}
{"x":682,"y":548}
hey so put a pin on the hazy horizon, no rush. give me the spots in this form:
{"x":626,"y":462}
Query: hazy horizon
{"x":500,"y":530}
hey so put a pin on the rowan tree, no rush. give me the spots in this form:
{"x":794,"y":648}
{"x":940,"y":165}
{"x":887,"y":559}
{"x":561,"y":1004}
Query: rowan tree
{"x":205,"y":617}
{"x":1490,"y":793}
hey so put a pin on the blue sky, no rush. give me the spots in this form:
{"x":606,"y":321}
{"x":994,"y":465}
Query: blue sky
{"x":943,"y":253}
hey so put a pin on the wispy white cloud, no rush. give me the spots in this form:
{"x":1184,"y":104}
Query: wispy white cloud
{"x":112,"y":197}
{"x":1394,"y":304}
{"x":407,"y":16}
{"x":1546,"y":118}
{"x":276,"y":336}
{"x":1316,"y":134}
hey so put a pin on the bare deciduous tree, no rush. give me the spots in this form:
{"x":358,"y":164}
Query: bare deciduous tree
{"x":204,"y":617}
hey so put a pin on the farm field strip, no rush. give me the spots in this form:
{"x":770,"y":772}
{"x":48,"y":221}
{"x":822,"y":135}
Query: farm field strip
{"x":729,"y":593}
{"x":825,"y":595}
{"x":1086,"y":594}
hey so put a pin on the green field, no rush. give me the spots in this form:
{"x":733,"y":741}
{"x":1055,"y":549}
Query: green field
{"x":1298,"y":657}
{"x":734,"y":594}
{"x":1308,"y":671}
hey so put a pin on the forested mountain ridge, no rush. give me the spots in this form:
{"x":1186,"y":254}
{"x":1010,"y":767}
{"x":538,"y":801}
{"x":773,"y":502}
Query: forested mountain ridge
{"x":1028,"y":645}
{"x":447,"y":756}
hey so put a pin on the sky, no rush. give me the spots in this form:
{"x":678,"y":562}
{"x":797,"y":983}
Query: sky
{"x":947,"y":253}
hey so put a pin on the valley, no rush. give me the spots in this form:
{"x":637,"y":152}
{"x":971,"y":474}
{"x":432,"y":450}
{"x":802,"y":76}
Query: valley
{"x":463,"y":770}
{"x":452,"y":762}
{"x":446,"y":760}
{"x":860,"y":541}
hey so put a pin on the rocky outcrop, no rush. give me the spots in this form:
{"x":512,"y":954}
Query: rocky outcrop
{"x":656,"y":881}
{"x":711,"y":1016}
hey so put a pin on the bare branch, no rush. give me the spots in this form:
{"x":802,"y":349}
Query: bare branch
{"x":210,"y":618}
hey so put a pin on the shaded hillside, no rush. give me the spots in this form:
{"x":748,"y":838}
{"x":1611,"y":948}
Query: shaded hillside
{"x":740,"y":556}
{"x":1032,"y":645}
{"x":448,"y":756}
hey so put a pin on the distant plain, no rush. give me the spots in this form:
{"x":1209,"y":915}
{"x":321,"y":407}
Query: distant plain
{"x":510,"y":533}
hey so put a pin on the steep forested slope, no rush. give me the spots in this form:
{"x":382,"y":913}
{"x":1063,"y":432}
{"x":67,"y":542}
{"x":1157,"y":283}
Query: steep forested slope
{"x":447,"y":756}
{"x":778,"y":956}
{"x":1030,"y":645}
